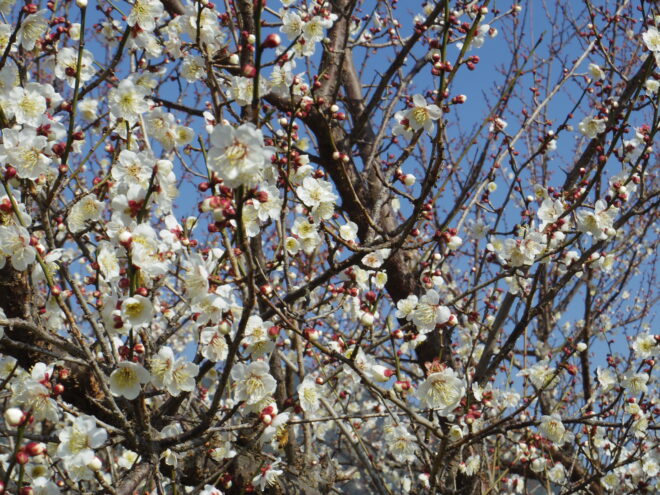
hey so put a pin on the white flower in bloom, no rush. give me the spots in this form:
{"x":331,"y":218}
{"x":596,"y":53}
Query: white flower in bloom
{"x":193,"y":68}
{"x":106,"y":257}
{"x":557,"y":474}
{"x":375,"y":259}
{"x":292,"y":245}
{"x":442,"y":391}
{"x":596,"y":72}
{"x":15,"y":242}
{"x":592,"y":127}
{"x":652,"y":39}
{"x":607,"y":379}
{"x":405,"y":307}
{"x":67,"y":64}
{"x":553,"y":429}
{"x":35,"y":397}
{"x":428,"y":313}
{"x":127,"y":101}
{"x":645,"y":346}
{"x":137,"y":311}
{"x":88,"y":109}
{"x":174,"y":375}
{"x":127,"y":379}
{"x":314,"y":192}
{"x":471,"y":465}
{"x":348,"y":231}
{"x":253,"y":381}
{"x":82,"y":434}
{"x":598,"y":222}
{"x":88,"y":209}
{"x":144,"y":14}
{"x":549,"y":211}
{"x":27,"y":105}
{"x":163,"y":127}
{"x":257,"y":338}
{"x":541,"y":375}
{"x":422,"y":114}
{"x":277,"y":432}
{"x":32,"y":28}
{"x":401,"y":443}
{"x":24,"y":151}
{"x":518,"y":252}
{"x":268,"y":476}
{"x":145,"y":251}
{"x":215,"y":346}
{"x":309,"y":395}
{"x":636,"y":383}
{"x":292,"y":24}
{"x":238,"y":154}
{"x":651,"y":86}
{"x":610,"y":481}
{"x":128,"y":459}
{"x":314,"y":29}
{"x":133,"y":168}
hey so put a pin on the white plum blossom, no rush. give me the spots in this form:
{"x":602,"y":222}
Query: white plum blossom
{"x":636,"y":383}
{"x":401,"y":443}
{"x":144,"y":14}
{"x":27,"y":104}
{"x":175,"y":375}
{"x":442,"y":391}
{"x":552,"y":428}
{"x":32,"y":28}
{"x":81,"y":435}
{"x":375,"y":259}
{"x":549,"y":211}
{"x":127,"y":379}
{"x":25,"y":151}
{"x":645,"y":346}
{"x":137,"y":311}
{"x":607,"y":378}
{"x":106,"y":257}
{"x":88,"y":209}
{"x":67,"y":64}
{"x":238,"y":154}
{"x":541,"y":374}
{"x":310,"y":395}
{"x":268,"y":476}
{"x":420,"y":116}
{"x":15,"y":242}
{"x":348,"y":231}
{"x":592,"y":127}
{"x":598,"y":222}
{"x":596,"y":72}
{"x":215,"y":347}
{"x":128,"y":101}
{"x":429,"y":312}
{"x":652,"y":39}
{"x":253,"y":382}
